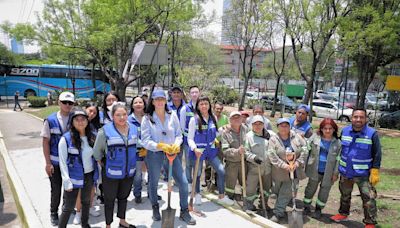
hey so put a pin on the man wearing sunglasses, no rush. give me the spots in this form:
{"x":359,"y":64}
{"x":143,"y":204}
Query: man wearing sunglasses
{"x":55,"y":125}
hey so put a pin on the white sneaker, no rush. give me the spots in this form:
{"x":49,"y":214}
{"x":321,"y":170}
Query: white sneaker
{"x":197,"y":199}
{"x":226,"y":201}
{"x":94,"y":212}
{"x":77,"y":218}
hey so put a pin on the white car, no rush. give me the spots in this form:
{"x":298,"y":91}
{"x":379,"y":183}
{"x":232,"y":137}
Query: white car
{"x":333,"y":110}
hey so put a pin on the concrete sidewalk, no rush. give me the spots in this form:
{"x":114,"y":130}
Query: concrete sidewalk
{"x":23,"y":142}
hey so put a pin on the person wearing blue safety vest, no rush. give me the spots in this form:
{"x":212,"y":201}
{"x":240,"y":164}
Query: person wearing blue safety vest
{"x":78,"y":167}
{"x":186,"y":113}
{"x":177,"y":102}
{"x":135,"y":117}
{"x":92,"y":112}
{"x":108,"y":101}
{"x":299,"y":122}
{"x":359,"y":164}
{"x":161,"y":135}
{"x":115,"y":148}
{"x":55,"y":125}
{"x":202,"y":140}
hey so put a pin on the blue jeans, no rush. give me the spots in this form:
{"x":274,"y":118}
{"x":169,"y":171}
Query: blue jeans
{"x":137,"y":181}
{"x":218,"y":167}
{"x":154,"y":161}
{"x":189,"y":169}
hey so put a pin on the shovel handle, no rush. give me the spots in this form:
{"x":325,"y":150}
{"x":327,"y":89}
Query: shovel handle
{"x":196,"y":169}
{"x":243,"y":176}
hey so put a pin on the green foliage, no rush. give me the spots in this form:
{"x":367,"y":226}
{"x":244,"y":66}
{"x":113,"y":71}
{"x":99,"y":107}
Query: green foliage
{"x":196,"y":75}
{"x":251,"y":103}
{"x":37,"y":102}
{"x":44,"y":112}
{"x":7,"y":57}
{"x":224,"y":94}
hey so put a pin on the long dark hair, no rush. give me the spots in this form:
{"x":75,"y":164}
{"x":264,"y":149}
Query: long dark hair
{"x":198,"y":115}
{"x":131,"y":105}
{"x":95,"y":122}
{"x":150,"y":110}
{"x":76,"y":138}
{"x":112,"y":92}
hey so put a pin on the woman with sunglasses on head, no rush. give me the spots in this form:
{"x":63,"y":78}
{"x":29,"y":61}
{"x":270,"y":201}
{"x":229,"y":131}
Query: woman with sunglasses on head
{"x":202,"y":140}
{"x":55,"y":125}
{"x":322,"y":165}
{"x":108,"y":101}
{"x":92,"y":112}
{"x":115,"y":148}
{"x":138,"y":105}
{"x":161,"y":133}
{"x":78,"y":168}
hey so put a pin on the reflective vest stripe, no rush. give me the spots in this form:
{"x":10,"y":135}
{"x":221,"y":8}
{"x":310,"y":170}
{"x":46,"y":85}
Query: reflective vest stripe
{"x":355,"y":166}
{"x":342,"y":163}
{"x":115,"y":141}
{"x":225,"y":146}
{"x":76,"y":182}
{"x":189,"y":114}
{"x":347,"y":138}
{"x":73,"y":151}
{"x":307,"y":201}
{"x":55,"y":131}
{"x":54,"y":158}
{"x":132,"y":141}
{"x":229,"y":190}
{"x":320,"y":203}
{"x":114,"y":172}
{"x":359,"y":160}
{"x":364,"y":141}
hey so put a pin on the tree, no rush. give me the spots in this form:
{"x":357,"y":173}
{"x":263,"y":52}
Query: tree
{"x":312,"y":25}
{"x":247,"y":25}
{"x":106,"y":30}
{"x":370,"y":35}
{"x":7,"y":57}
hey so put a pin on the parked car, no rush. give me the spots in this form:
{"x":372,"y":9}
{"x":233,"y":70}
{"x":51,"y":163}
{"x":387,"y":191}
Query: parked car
{"x":372,"y":102}
{"x":325,"y":96}
{"x":390,"y":120}
{"x":252,"y":95}
{"x":333,"y":110}
{"x":289,"y":104}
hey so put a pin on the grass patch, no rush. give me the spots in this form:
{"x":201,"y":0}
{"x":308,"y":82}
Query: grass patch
{"x":388,"y":212}
{"x":390,"y":152}
{"x":388,"y":183}
{"x":44,"y":112}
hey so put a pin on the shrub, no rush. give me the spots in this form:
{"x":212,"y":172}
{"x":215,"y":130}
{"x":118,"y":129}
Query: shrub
{"x":224,"y":95}
{"x":37,"y":101}
{"x":250,"y":103}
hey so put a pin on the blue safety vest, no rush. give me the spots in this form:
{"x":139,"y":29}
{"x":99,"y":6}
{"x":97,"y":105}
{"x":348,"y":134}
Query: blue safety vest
{"x":205,"y":140}
{"x":103,"y":119}
{"x":189,"y":114}
{"x":75,"y":164}
{"x":55,"y":136}
{"x":172,"y":107}
{"x":303,"y":128}
{"x":134,"y":121}
{"x":356,"y":157}
{"x":120,"y":157}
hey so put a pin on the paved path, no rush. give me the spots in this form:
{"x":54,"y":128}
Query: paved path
{"x":22,"y":139}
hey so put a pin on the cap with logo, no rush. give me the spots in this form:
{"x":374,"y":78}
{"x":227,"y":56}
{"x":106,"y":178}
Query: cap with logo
{"x":257,"y":118}
{"x":66,"y":96}
{"x":234,"y":113}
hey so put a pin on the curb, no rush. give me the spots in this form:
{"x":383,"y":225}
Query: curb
{"x":27,"y":212}
{"x":34,"y":116}
{"x":256,"y":219}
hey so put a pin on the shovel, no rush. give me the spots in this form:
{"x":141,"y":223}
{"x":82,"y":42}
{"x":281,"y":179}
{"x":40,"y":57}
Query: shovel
{"x":245,"y":209}
{"x":295,"y":214}
{"x":168,"y":215}
{"x":191,"y":208}
{"x":264,"y":210}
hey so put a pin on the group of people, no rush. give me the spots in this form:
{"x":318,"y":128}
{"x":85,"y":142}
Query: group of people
{"x":113,"y":147}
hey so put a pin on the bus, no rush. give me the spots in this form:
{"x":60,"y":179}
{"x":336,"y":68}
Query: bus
{"x":38,"y":80}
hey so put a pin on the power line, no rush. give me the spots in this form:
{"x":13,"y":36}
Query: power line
{"x":22,"y":11}
{"x":30,"y":11}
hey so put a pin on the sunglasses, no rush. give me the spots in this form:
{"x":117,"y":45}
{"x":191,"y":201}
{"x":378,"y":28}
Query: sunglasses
{"x":67,"y":102}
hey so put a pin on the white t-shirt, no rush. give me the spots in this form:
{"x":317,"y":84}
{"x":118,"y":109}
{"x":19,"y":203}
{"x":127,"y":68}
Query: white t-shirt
{"x":63,"y":120}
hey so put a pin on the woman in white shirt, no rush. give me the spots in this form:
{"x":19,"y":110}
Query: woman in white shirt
{"x":78,"y":168}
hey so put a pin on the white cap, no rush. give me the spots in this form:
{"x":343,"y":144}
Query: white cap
{"x":234,"y":113}
{"x":67,"y":96}
{"x":257,"y":118}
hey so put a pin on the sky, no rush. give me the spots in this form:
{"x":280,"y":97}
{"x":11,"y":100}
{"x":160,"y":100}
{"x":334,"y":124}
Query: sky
{"x":23,"y":11}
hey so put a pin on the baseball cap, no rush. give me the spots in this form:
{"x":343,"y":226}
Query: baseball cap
{"x":158,"y":94}
{"x":78,"y":112}
{"x":66,"y":96}
{"x":244,"y":113}
{"x":234,"y":113}
{"x":176,"y":88}
{"x":282,"y":120}
{"x":257,"y":118}
{"x":303,"y":106}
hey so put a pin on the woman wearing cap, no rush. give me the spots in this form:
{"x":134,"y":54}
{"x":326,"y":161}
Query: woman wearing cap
{"x":202,"y":135}
{"x":108,"y":101}
{"x":137,"y":112}
{"x":285,"y":147}
{"x":115,"y":148}
{"x":322,"y":166}
{"x":78,"y":168}
{"x":161,"y":132}
{"x":256,"y":145}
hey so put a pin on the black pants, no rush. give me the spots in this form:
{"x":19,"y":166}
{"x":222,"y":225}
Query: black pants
{"x":16,"y":103}
{"x":55,"y":183}
{"x":115,"y":189}
{"x":70,"y":200}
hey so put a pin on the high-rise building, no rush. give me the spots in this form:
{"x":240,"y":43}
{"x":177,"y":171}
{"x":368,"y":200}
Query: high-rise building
{"x":17,"y":46}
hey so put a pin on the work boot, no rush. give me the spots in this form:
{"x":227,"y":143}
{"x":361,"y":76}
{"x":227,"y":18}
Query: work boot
{"x":138,"y":199}
{"x":54,"y":218}
{"x":318,"y":212}
{"x":307,"y":208}
{"x":186,"y":217}
{"x":156,"y":213}
{"x":250,"y":206}
{"x":339,"y":218}
{"x":275,"y":219}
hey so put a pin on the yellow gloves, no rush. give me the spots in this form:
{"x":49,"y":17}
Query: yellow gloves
{"x":175,"y":148}
{"x":374,"y":176}
{"x":142,"y":152}
{"x":164,"y":147}
{"x":216,"y":141}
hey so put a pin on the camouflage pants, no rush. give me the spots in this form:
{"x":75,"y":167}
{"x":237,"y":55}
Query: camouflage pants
{"x":368,"y":196}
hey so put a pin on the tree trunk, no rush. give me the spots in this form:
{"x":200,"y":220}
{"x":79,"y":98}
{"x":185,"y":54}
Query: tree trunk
{"x":309,"y":91}
{"x":120,"y":88}
{"x":275,"y":96}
